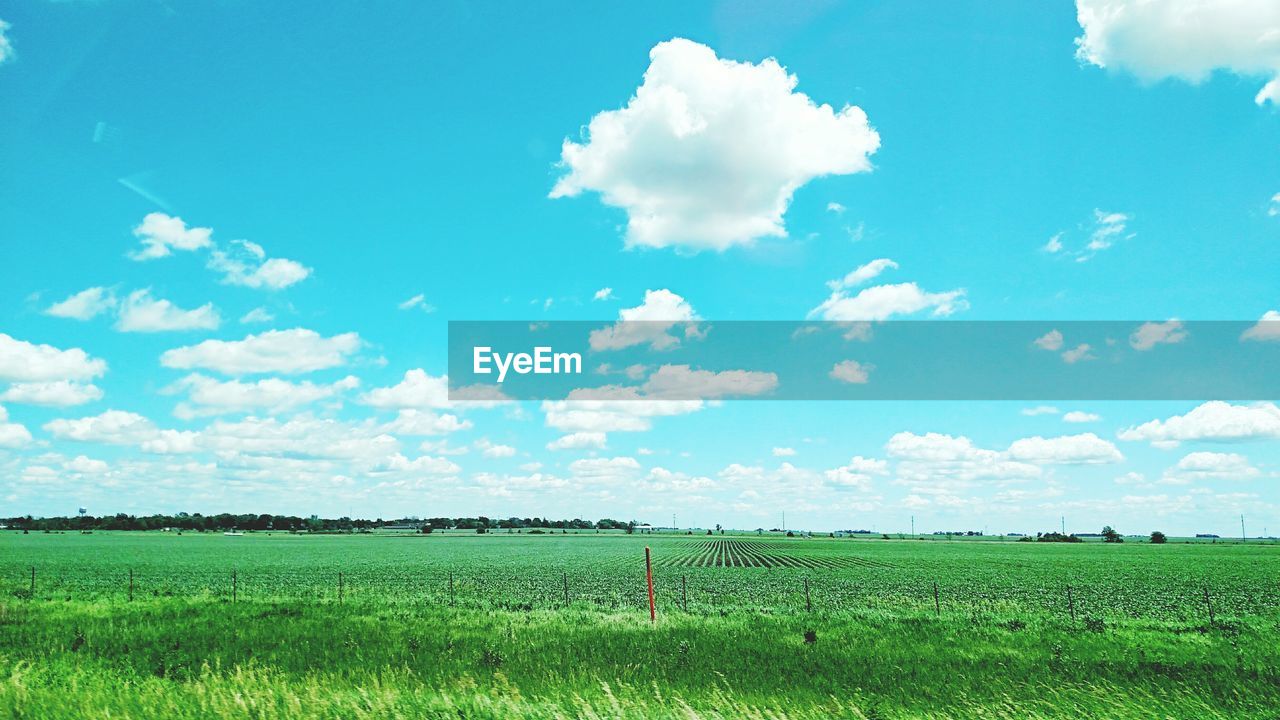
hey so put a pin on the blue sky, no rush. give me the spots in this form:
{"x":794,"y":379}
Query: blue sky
{"x":370,"y":156}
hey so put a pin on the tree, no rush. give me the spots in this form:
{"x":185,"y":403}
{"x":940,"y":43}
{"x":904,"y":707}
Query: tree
{"x":1158,"y":538}
{"x":1110,"y":535}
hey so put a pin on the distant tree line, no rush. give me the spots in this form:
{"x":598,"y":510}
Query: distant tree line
{"x":292,"y":523}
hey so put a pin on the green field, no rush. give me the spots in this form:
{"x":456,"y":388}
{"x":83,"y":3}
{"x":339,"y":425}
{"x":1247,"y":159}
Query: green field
{"x":450,"y":625}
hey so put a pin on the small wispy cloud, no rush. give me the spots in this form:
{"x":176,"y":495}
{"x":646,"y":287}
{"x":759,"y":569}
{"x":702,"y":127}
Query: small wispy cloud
{"x":418,"y":302}
{"x":1104,"y":230}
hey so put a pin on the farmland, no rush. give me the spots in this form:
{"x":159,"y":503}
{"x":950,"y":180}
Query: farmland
{"x":501,"y":625}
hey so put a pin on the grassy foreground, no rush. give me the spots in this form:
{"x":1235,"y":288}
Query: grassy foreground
{"x":210,"y":658}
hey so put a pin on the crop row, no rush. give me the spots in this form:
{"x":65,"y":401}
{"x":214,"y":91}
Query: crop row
{"x":747,"y":553}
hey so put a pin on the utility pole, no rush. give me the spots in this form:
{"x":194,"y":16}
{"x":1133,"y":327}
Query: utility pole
{"x":1243,"y":537}
{"x":784,"y":521}
{"x":673,"y":521}
{"x":913,"y":526}
{"x":1064,"y":524}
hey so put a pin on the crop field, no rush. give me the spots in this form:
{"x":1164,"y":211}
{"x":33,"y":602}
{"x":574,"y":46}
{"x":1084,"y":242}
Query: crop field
{"x":760,"y":554}
{"x":557,"y":625}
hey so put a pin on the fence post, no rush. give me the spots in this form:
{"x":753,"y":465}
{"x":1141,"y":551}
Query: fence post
{"x":1209,"y":603}
{"x":33,"y":582}
{"x":450,"y":588}
{"x":937,"y":606}
{"x":565,"y":577}
{"x":684,"y":592}
{"x":808,"y":606}
{"x":339,"y":588}
{"x":648,"y":572}
{"x":234,"y":587}
{"x":1071,"y":604}
{"x":130,"y":584}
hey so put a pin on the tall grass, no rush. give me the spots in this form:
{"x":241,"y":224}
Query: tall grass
{"x":209,"y":658}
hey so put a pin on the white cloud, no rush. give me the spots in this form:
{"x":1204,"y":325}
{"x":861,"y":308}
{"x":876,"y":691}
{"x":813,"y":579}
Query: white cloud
{"x":1184,"y":39}
{"x":648,"y":322}
{"x":1105,"y":228}
{"x":708,"y":152}
{"x":12,"y":435}
{"x":933,"y":459}
{"x":863,"y":273}
{"x":1211,"y":466}
{"x":141,"y":313}
{"x":54,"y":393}
{"x":1083,"y":449}
{"x":784,"y":452}
{"x":1051,"y":341}
{"x":84,"y":305}
{"x":411,"y":421}
{"x":857,"y":473}
{"x":21,"y":361}
{"x":416,"y":390}
{"x":1214,"y":421}
{"x":1270,"y":93}
{"x":578,"y":441}
{"x":246,"y":264}
{"x":418,"y":301}
{"x":424,"y":464}
{"x":881,"y":302}
{"x":504,"y":485}
{"x":6,"y":46}
{"x":851,"y":371}
{"x":161,"y":234}
{"x":676,"y":382}
{"x":1040,"y":410}
{"x":1273,"y":208}
{"x":1266,"y":330}
{"x":118,"y":427}
{"x":611,"y":409}
{"x":442,"y":447}
{"x":86,"y":465}
{"x":208,"y":396}
{"x":605,"y":469}
{"x":493,"y":450}
{"x":1131,"y":478}
{"x":1078,"y":416}
{"x":1150,"y":334}
{"x":283,"y":351}
{"x":257,"y":315}
{"x":603,"y":294}
{"x":364,"y":444}
{"x":836,"y":208}
{"x":1083,"y":351}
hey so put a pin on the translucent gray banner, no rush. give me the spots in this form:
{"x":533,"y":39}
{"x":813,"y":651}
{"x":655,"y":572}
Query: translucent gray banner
{"x":899,"y":360}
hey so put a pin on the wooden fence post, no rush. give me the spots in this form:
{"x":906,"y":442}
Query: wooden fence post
{"x":648,"y":572}
{"x":33,"y":582}
{"x":1071,"y":604}
{"x":339,"y":588}
{"x":684,"y":592}
{"x":808,"y":606}
{"x":937,"y":605}
{"x":1209,"y":603}
{"x":234,"y":588}
{"x":565,"y":577}
{"x":130,"y":584}
{"x":450,"y":588}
